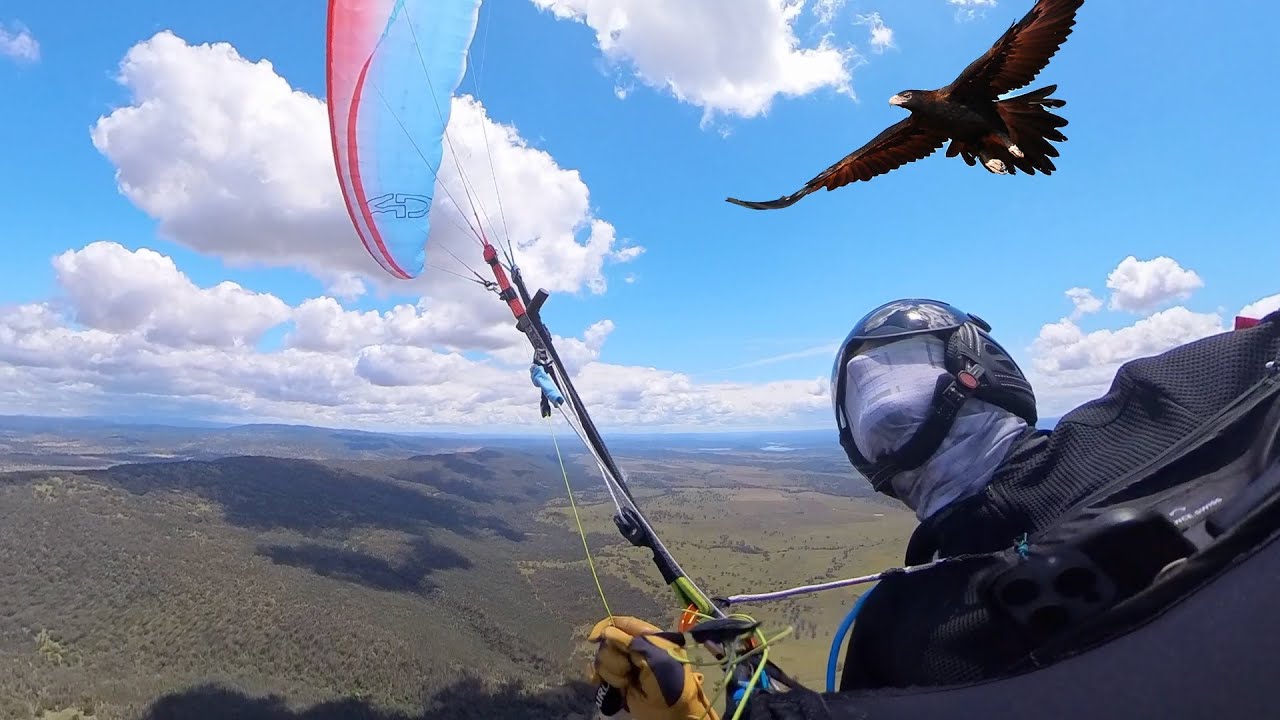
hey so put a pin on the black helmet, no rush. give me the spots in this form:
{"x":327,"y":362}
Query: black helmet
{"x":978,"y":366}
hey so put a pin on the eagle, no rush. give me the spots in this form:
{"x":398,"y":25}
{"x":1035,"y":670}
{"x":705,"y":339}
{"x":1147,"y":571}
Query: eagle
{"x":1006,"y":135}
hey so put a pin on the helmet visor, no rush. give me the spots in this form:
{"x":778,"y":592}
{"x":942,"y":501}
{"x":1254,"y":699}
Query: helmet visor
{"x":900,"y":318}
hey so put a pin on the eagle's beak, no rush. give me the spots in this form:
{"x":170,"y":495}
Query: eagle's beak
{"x":897,"y":100}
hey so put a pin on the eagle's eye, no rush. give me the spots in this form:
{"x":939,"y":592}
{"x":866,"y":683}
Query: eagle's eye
{"x":906,"y":95}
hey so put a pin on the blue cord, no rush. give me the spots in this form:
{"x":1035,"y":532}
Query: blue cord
{"x":836,"y":642}
{"x":1021,"y":546}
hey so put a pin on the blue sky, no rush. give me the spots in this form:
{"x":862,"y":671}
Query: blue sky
{"x":1168,"y":156}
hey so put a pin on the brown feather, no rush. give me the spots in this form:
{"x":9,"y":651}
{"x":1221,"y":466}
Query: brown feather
{"x":901,"y":143}
{"x":1020,"y":54}
{"x":1031,"y":127}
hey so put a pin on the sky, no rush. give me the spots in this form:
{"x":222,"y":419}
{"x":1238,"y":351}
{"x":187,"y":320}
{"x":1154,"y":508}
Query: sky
{"x":177,"y":245}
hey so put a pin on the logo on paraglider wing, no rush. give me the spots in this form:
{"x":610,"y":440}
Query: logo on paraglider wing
{"x":403,"y":205}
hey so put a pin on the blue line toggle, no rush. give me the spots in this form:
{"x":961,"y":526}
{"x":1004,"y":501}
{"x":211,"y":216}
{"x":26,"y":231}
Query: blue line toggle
{"x":546,"y":384}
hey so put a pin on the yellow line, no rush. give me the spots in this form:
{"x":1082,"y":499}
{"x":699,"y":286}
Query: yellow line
{"x":578,"y":519}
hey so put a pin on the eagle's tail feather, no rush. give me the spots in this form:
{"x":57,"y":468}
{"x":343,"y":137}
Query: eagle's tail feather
{"x":1032,"y":127}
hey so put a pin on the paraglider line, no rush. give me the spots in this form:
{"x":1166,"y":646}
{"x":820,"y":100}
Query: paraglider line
{"x":578,"y":519}
{"x":608,"y":484}
{"x":426,"y":74}
{"x":683,"y":583}
{"x":835,"y":584}
{"x":631,"y":521}
{"x":509,"y":251}
{"x":647,"y":537}
{"x":477,"y":280}
{"x":434,"y":172}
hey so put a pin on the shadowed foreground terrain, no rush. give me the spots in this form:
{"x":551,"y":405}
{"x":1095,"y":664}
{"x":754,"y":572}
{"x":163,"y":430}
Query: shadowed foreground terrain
{"x":468,"y":699}
{"x":441,"y":586}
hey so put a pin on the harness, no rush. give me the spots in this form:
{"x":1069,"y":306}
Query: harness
{"x":1122,"y":585}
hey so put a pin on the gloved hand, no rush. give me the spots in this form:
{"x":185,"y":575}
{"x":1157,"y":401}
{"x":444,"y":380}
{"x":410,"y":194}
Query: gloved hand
{"x":652,"y":672}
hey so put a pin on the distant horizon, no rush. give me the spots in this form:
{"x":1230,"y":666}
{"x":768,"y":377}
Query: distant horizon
{"x":464,"y":431}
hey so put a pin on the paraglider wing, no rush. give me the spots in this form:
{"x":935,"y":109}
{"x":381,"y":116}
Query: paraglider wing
{"x":392,"y":68}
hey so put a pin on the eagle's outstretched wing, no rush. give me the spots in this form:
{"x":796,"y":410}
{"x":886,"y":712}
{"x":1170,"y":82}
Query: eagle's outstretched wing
{"x":1020,"y":54}
{"x":899,"y":144}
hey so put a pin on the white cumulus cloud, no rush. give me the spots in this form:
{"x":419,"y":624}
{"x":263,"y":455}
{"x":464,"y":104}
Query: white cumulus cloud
{"x":1069,"y":365}
{"x":826,"y":10}
{"x":971,"y":9}
{"x":234,"y":162}
{"x":347,"y":286}
{"x":1084,"y":300}
{"x":1143,"y":285}
{"x":1261,"y":308}
{"x":881,"y":35}
{"x":1063,"y":346}
{"x":118,"y":291}
{"x":17,"y":43}
{"x":130,"y":329}
{"x":731,"y":57}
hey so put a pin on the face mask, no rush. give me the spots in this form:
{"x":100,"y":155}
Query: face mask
{"x":890,"y":393}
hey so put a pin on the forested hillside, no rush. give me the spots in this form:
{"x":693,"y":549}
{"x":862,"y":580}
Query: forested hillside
{"x":281,"y":576}
{"x":438,"y":586}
